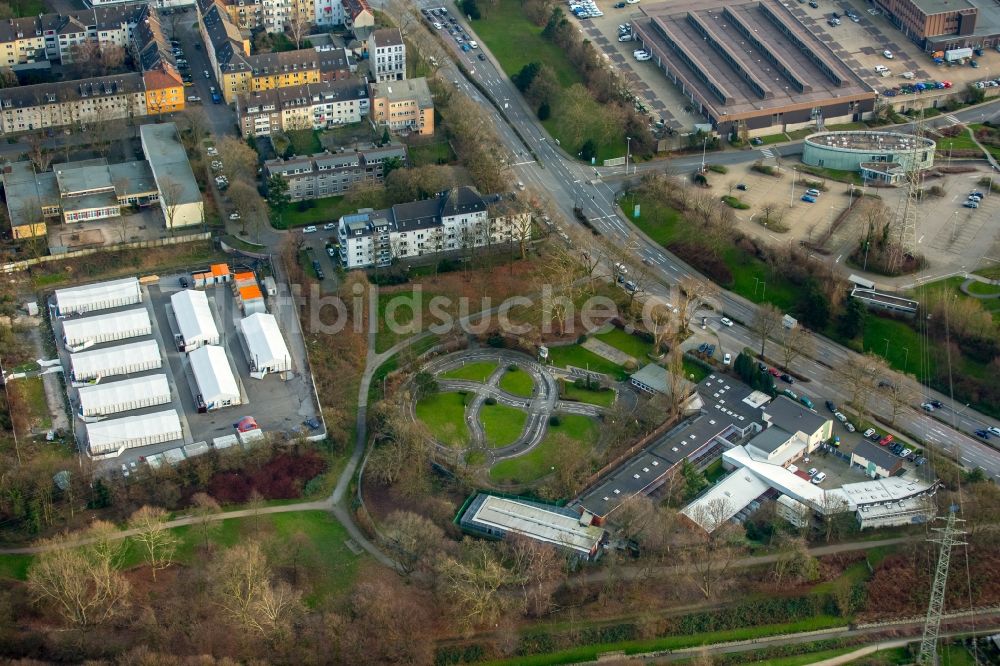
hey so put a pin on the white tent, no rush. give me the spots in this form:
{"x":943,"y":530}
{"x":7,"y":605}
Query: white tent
{"x":194,"y":319}
{"x":118,"y":360}
{"x":217,"y":386}
{"x":99,"y":296}
{"x":116,"y":435}
{"x":266,"y":348}
{"x":134,"y":393}
{"x":107,"y":327}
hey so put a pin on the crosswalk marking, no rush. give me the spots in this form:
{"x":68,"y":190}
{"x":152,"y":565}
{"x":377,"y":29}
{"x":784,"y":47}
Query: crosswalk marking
{"x":952,"y":119}
{"x":766,"y":152}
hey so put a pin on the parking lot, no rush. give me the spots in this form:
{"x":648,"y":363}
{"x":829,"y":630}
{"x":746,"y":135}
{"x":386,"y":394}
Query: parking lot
{"x":276,"y":405}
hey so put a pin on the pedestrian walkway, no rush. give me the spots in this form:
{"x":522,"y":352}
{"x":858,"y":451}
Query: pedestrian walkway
{"x":767,"y":153}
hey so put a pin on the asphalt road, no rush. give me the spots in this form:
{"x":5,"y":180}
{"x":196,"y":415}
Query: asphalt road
{"x":571,"y":183}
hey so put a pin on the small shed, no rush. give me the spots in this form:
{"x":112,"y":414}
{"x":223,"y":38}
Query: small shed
{"x":876,"y":461}
{"x":220,"y":273}
{"x":270,"y":287}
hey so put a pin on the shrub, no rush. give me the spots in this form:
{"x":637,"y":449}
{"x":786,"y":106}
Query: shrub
{"x":554,"y":420}
{"x":495,"y":339}
{"x":718,"y":168}
{"x":734,"y":202}
{"x":765,"y":169}
{"x":580,"y":340}
{"x":512,"y":367}
{"x":490,"y":401}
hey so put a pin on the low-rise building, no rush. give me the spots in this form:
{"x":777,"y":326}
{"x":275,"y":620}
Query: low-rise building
{"x":876,"y":461}
{"x":403,"y":106}
{"x":311,"y":106}
{"x":331,"y":174}
{"x":387,"y":55}
{"x":117,"y":97}
{"x":455,"y":220}
{"x":179,"y":197}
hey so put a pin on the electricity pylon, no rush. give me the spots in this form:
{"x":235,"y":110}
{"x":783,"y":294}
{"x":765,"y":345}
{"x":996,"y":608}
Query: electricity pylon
{"x":947,"y":537}
{"x":906,"y":212}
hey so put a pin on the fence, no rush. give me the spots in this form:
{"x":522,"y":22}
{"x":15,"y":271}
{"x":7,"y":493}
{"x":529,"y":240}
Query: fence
{"x":134,"y":245}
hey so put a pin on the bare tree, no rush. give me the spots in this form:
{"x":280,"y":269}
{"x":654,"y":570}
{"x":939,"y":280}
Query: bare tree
{"x":238,"y":159}
{"x":413,"y":538}
{"x":676,"y":381}
{"x":474,"y":585}
{"x":204,"y":507}
{"x":82,"y":583}
{"x":766,"y":320}
{"x":693,"y":292}
{"x":194,"y":125}
{"x":712,"y":553}
{"x":242,"y":578}
{"x":170,"y":194}
{"x":796,"y":342}
{"x":298,"y":28}
{"x":901,"y":393}
{"x":38,"y":153}
{"x":662,"y":323}
{"x":158,"y":542}
{"x":861,"y":374}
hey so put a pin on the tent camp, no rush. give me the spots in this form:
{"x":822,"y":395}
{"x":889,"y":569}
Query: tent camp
{"x":194,"y":320}
{"x":107,"y":327}
{"x":116,"y":435}
{"x":98,"y":296}
{"x":117,"y":360}
{"x":265,"y":347}
{"x":217,"y":386}
{"x":133,"y":393}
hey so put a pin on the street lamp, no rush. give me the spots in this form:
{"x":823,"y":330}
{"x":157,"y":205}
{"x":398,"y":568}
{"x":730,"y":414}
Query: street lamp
{"x":704,"y":143}
{"x":628,"y":151}
{"x":791,"y":194}
{"x":886,"y":347}
{"x":906,"y":357}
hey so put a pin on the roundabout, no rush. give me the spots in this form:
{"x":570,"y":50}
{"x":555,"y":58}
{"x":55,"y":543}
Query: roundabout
{"x":494,"y":406}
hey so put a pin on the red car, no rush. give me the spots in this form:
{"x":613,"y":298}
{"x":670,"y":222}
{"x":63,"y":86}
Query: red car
{"x":774,"y":371}
{"x":885,"y":441}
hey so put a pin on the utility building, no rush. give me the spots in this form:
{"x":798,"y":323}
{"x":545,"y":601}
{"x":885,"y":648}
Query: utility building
{"x":118,"y":360}
{"x":195,"y":323}
{"x":98,"y":296}
{"x":265,"y":347}
{"x":111,"y":438}
{"x":128,"y":394}
{"x":107,"y":327}
{"x":217,"y":387}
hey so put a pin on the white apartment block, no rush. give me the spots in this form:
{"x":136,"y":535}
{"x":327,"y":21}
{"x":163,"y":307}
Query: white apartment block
{"x":99,"y":99}
{"x":387,"y":55}
{"x":331,"y":174}
{"x":453,"y":221}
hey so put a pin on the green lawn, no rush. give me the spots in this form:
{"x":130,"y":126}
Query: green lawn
{"x":33,"y":391}
{"x":983,"y":289}
{"x":584,"y":358}
{"x":715,"y":471}
{"x":993,"y":272}
{"x":479,"y":371}
{"x":602,"y":398}
{"x":305,"y":142}
{"x":832,"y":174}
{"x":539,"y":461}
{"x":320,"y":211}
{"x":331,"y":567}
{"x":439,"y":152}
{"x":518,"y":382}
{"x":632,"y":345}
{"x":692,"y":368}
{"x":805,"y":659}
{"x":405,"y":305}
{"x":444,"y":416}
{"x":502,"y":424}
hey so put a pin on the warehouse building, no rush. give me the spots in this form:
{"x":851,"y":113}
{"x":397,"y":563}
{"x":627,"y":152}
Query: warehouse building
{"x":877,"y":461}
{"x":195,"y":323}
{"x":118,"y":360}
{"x":493,"y":517}
{"x":123,"y":396}
{"x":179,"y":196}
{"x":107,"y":327}
{"x":217,"y":387}
{"x":882,"y":156}
{"x":945,"y":24}
{"x":265,"y":347}
{"x":751,"y":68}
{"x":98,"y":296}
{"x":111,"y":438}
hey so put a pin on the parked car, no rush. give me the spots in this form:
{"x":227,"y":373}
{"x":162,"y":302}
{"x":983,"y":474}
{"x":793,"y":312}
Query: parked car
{"x":819,"y":478}
{"x":812,"y":471}
{"x":774,"y":372}
{"x":993,"y":430}
{"x":806,"y":401}
{"x":742,"y":187}
{"x":787,"y":378}
{"x":619,"y":5}
{"x":726,"y":321}
{"x":311,"y":229}
{"x":808,"y":199}
{"x":869,"y":433}
{"x":984,"y":434}
{"x":813,"y":192}
{"x":840,"y":417}
{"x":329,"y":226}
{"x":850,"y":426}
{"x":905,"y":453}
{"x":829,"y":405}
{"x":885,"y":441}
{"x":234,"y":216}
{"x":887,"y":54}
{"x":184,"y":282}
{"x":331,"y":251}
{"x":791,"y":394}
{"x":727,"y":359}
{"x":875,"y":436}
{"x":702,"y":347}
{"x":207,"y":75}
{"x":971,"y":204}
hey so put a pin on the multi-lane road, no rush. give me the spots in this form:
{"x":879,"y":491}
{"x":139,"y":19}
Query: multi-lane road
{"x":538,"y":162}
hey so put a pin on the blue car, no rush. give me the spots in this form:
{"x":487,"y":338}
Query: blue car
{"x":808,"y":198}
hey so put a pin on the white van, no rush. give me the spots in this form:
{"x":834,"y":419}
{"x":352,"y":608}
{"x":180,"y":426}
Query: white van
{"x":908,"y":75}
{"x":879,"y":69}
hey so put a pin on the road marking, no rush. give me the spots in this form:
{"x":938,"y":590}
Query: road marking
{"x":766,"y":152}
{"x":952,"y":119}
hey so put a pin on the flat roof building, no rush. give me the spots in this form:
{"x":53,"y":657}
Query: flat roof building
{"x":107,"y":327}
{"x":494,"y":517}
{"x":852,"y":151}
{"x":217,"y":387}
{"x":945,"y":24}
{"x":113,"y":437}
{"x":751,"y":68}
{"x":126,"y":395}
{"x":265,"y":346}
{"x":97,"y":296}
{"x":179,"y":196}
{"x":195,"y":323}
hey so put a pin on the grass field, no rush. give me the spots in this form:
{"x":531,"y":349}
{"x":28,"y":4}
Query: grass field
{"x":502,"y":424}
{"x":444,"y":416}
{"x":692,"y":368}
{"x":602,"y":398}
{"x":305,"y":142}
{"x":517,"y":382}
{"x":439,"y":152}
{"x":405,"y":306}
{"x":584,"y":358}
{"x":33,"y":391}
{"x":983,"y":289}
{"x":632,"y":345}
{"x":479,"y":371}
{"x":516,"y":41}
{"x":539,"y":461}
{"x":328,"y":209}
{"x":715,"y":471}
{"x":332,"y":566}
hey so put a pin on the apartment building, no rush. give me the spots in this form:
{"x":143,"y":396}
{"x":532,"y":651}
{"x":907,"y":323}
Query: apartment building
{"x":311,"y":106}
{"x":387,"y":55}
{"x":33,"y":39}
{"x":100,"y":99}
{"x":331,"y":174}
{"x":349,"y":13}
{"x":403,"y":106}
{"x":455,"y":220}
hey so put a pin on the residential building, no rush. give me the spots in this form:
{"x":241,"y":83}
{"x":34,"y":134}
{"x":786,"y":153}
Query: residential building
{"x":455,"y":220}
{"x":34,"y":39}
{"x":876,"y":461}
{"x":311,"y":106}
{"x":164,"y":89}
{"x":403,"y":106}
{"x":179,"y":196}
{"x":352,"y":14}
{"x":387,"y":55}
{"x":103,"y":98}
{"x":332,"y":174}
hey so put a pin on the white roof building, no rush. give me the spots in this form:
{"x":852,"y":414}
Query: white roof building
{"x":217,"y":386}
{"x":98,"y":296}
{"x":725,"y":499}
{"x":107,"y":327}
{"x":194,"y":319}
{"x":266,"y":348}
{"x":115,"y":436}
{"x":128,"y":394}
{"x":117,"y":360}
